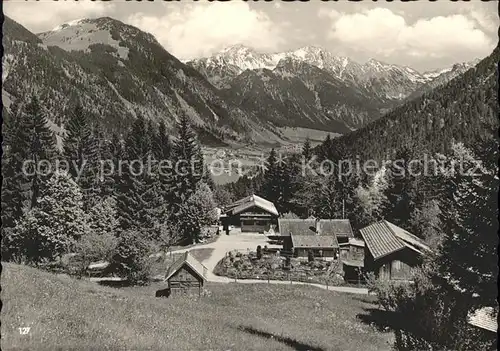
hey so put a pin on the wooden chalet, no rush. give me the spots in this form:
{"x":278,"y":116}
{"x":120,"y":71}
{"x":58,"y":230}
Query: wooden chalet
{"x":300,"y":236}
{"x":390,"y":251}
{"x":252,"y":214}
{"x":186,"y":275}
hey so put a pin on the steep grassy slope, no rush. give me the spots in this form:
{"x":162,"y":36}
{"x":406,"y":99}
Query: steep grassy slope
{"x":64,"y":313}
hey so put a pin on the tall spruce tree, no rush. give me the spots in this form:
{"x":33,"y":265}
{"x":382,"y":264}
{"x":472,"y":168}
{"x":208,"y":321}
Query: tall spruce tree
{"x":82,"y":152}
{"x":187,"y":173}
{"x":42,"y":147}
{"x":272,"y":181}
{"x":401,"y":192}
{"x":188,"y":166}
{"x":112,"y":156}
{"x":132,"y":208}
{"x":306,"y":150}
{"x":15,"y":185}
{"x":468,"y":257}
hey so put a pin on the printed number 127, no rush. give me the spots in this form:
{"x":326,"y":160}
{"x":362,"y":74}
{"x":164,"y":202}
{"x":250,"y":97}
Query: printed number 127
{"x":24,"y":330}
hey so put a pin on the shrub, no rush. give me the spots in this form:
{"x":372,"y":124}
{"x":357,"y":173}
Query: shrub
{"x":310,"y":256}
{"x":287,"y":262}
{"x":259,"y":252}
{"x":94,"y":247}
{"x":131,"y":258}
{"x":438,"y":315}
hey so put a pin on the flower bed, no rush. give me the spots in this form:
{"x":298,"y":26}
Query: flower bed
{"x":273,"y":267}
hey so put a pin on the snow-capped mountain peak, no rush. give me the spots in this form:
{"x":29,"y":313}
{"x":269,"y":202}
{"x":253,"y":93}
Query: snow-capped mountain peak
{"x":68,"y":24}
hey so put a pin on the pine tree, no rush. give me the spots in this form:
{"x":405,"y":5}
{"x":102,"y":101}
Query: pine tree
{"x":306,"y":150}
{"x":469,"y":214}
{"x":133,"y":181}
{"x":401,"y":192}
{"x":82,"y":152}
{"x":161,"y":145}
{"x":186,"y":160}
{"x":271,"y":181}
{"x":112,"y":158}
{"x":15,"y":182}
{"x":187,"y":173}
{"x":54,"y":225}
{"x":42,"y":148}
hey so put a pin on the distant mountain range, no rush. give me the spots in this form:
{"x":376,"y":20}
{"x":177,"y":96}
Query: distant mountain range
{"x":238,"y":95}
{"x":385,"y":81}
{"x":312,"y":86}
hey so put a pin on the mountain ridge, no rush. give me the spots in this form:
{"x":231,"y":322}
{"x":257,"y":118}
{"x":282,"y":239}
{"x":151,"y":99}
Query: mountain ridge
{"x":116,"y":71}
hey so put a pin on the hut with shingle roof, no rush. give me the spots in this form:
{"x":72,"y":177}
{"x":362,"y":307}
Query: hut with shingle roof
{"x":390,"y":251}
{"x":186,"y":275}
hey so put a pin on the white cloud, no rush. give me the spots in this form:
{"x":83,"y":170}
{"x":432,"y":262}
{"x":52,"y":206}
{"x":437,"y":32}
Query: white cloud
{"x":200,"y":30}
{"x":42,"y":16}
{"x":488,"y":21}
{"x":381,"y":32}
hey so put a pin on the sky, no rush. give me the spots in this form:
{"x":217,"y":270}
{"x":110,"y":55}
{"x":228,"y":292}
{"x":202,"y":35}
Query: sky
{"x":423,"y":35}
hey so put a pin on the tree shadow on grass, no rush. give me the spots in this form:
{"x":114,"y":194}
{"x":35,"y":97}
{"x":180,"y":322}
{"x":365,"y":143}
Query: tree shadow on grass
{"x":381,"y":319}
{"x":371,"y":301}
{"x":287,"y":341}
{"x":115,"y":283}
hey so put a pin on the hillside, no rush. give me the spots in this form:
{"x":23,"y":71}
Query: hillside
{"x":68,"y":313}
{"x":116,"y":71}
{"x":465,"y":109}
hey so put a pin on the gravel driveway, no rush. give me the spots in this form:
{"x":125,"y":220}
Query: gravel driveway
{"x":236,"y":240}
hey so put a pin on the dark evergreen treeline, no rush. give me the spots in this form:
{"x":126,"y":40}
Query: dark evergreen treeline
{"x":151,"y":188}
{"x":463,"y":110}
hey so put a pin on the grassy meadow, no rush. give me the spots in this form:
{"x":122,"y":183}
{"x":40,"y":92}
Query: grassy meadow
{"x":64,"y":313}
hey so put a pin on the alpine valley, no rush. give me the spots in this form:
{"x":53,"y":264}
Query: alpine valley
{"x":238,"y":95}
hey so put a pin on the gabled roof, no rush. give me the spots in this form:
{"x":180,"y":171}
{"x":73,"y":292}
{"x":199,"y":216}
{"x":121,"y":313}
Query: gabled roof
{"x":353,"y":263}
{"x":314,"y":241}
{"x":484,"y":318}
{"x":340,"y":227}
{"x":249,"y":202}
{"x":312,"y":226}
{"x":190,"y":261}
{"x":353,"y":242}
{"x":383,"y":238}
{"x":297,"y":226}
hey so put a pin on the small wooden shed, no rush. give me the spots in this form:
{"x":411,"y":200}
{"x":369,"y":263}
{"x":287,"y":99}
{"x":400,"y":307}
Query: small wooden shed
{"x":391,"y":252}
{"x":186,"y":275}
{"x":354,"y":249}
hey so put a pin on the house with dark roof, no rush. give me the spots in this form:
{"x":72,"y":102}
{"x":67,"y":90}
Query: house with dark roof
{"x":390,"y":251}
{"x":186,"y":275}
{"x":340,"y":227}
{"x":252,"y":214}
{"x":300,"y":236}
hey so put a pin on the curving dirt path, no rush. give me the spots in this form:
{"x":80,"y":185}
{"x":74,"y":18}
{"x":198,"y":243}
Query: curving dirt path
{"x":244,"y":242}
